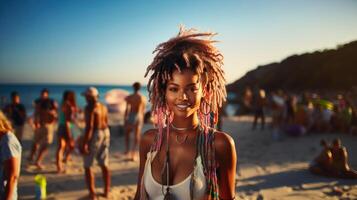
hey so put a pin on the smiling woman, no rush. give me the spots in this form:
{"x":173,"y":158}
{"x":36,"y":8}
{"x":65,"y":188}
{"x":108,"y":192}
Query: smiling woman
{"x":184,"y":157}
{"x":183,"y":95}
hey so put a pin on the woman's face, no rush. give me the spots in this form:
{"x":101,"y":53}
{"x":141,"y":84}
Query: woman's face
{"x":184,"y":93}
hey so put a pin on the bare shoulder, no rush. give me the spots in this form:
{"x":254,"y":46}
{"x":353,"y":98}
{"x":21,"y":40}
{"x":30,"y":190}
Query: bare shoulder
{"x":143,"y":98}
{"x":104,"y":107}
{"x":55,"y":104}
{"x":344,"y":149}
{"x":149,"y":135}
{"x":128,"y":98}
{"x":224,"y":143}
{"x":147,"y":140}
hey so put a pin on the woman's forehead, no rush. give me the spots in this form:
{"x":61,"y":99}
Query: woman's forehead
{"x":184,"y":77}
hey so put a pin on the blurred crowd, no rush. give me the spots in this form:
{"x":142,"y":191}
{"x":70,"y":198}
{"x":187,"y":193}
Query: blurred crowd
{"x":301,"y":113}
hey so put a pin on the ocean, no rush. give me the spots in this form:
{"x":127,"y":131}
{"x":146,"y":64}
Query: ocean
{"x":29,"y":92}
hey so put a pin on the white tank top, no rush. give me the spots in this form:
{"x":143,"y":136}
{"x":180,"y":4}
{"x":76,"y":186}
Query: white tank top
{"x":180,"y":190}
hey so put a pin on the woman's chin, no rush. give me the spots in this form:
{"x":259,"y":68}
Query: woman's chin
{"x":182,"y":114}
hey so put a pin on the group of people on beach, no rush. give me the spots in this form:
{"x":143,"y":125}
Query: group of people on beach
{"x":309,"y":113}
{"x":298,"y":114}
{"x":47,"y":115}
{"x":183,"y":157}
{"x":94,"y":142}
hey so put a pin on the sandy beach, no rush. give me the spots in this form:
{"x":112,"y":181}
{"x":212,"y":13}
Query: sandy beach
{"x":267,"y":168}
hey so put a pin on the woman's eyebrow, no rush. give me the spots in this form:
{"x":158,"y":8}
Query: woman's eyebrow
{"x":177,"y":85}
{"x":174,"y":84}
{"x":191,"y":84}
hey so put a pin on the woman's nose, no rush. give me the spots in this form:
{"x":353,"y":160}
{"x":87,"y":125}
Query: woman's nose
{"x":183,"y":96}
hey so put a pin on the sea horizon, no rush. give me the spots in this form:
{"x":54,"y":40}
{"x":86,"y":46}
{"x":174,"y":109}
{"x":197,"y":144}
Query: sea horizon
{"x":30,"y":91}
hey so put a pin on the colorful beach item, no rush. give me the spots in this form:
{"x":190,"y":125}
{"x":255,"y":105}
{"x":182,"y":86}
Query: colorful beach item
{"x":40,"y":187}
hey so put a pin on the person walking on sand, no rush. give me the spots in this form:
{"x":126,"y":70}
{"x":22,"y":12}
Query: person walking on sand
{"x":184,"y":157}
{"x":96,"y":141}
{"x":134,"y":119}
{"x":259,"y":103}
{"x":65,"y":122}
{"x":16,"y":113}
{"x":10,"y":160}
{"x":45,"y":116}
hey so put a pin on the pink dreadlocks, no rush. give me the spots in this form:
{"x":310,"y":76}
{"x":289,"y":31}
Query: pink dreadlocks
{"x":195,"y":51}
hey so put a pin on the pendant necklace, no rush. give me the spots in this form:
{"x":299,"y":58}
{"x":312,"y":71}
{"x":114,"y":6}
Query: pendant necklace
{"x":183,"y":140}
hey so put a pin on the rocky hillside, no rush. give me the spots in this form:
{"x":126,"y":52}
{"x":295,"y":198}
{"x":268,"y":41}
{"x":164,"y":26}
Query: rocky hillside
{"x":333,"y":69}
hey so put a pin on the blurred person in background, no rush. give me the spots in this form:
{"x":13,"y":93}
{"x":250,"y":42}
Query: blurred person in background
{"x":10,"y":160}
{"x":45,"y":117}
{"x":259,"y":103}
{"x":65,"y":122}
{"x":16,"y":113}
{"x":96,"y":141}
{"x":340,"y":165}
{"x":134,"y":119}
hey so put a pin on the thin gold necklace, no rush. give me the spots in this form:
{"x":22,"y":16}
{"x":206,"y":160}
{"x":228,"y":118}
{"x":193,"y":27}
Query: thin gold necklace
{"x":183,"y":129}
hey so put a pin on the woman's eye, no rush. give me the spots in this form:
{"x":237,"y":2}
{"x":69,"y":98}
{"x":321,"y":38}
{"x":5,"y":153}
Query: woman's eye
{"x":173,"y":89}
{"x":194,"y":89}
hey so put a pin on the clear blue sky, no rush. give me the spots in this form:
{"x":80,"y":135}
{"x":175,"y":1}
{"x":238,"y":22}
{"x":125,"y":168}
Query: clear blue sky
{"x":111,"y":42}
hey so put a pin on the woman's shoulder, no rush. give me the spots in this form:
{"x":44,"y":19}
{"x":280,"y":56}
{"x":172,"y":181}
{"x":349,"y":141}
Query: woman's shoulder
{"x":148,"y":139}
{"x":9,"y":137}
{"x":223,"y":142}
{"x":10,"y":142}
{"x":150,"y":133}
{"x":223,"y":138}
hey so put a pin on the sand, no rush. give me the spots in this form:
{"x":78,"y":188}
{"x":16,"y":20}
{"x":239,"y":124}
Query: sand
{"x":267,"y":168}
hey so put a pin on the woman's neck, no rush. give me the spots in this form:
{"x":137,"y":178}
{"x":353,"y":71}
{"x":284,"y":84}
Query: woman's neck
{"x":185,"y":122}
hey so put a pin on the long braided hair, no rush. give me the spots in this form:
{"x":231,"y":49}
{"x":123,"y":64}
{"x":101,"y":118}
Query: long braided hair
{"x":194,"y":51}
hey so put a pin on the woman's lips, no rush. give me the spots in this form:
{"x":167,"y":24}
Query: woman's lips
{"x":182,"y":107}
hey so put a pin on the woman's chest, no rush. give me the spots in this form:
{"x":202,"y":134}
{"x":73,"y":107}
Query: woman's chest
{"x":182,"y":160}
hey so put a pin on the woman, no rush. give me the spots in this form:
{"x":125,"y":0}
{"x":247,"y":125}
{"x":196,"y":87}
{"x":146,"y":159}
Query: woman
{"x":65,"y":123}
{"x":10,"y":160}
{"x":184,"y":158}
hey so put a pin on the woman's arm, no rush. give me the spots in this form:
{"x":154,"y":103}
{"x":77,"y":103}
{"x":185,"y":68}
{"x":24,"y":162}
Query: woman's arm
{"x":226,"y":159}
{"x":145,"y":144}
{"x":88,"y":131}
{"x":11,"y":167}
{"x":68,"y":113}
{"x":127,"y":109}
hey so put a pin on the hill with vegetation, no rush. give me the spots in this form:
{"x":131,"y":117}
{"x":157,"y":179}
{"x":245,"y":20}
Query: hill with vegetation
{"x":331,"y":69}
